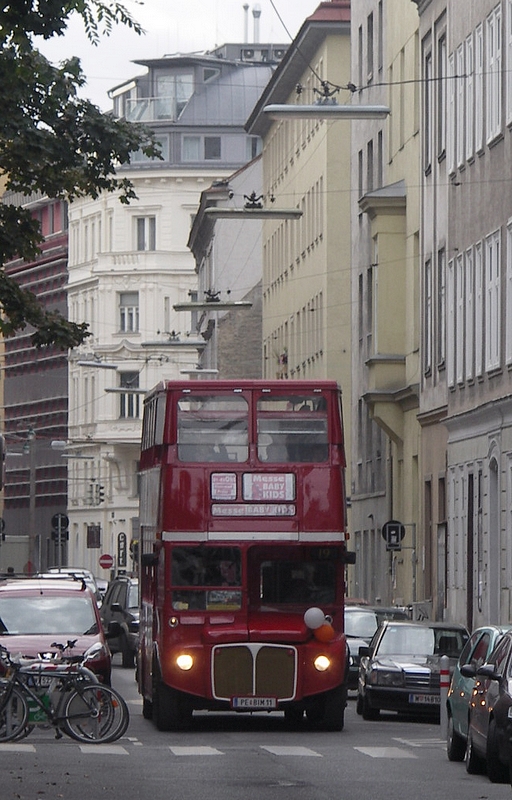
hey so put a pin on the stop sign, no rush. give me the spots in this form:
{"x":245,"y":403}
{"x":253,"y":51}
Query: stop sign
{"x":106,"y":561}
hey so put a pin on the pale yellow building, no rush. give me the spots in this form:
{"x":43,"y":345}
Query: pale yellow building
{"x":307,"y":326}
{"x":385,"y":304}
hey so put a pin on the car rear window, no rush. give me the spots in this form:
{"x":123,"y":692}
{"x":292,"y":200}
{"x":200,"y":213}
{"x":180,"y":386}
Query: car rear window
{"x":47,"y":615}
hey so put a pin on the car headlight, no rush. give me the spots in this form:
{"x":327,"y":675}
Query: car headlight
{"x":385,"y":677}
{"x":185,"y":662}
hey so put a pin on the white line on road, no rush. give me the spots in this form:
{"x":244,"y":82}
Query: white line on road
{"x":291,"y":751}
{"x":195,"y":751}
{"x":103,"y":749}
{"x":385,"y":752}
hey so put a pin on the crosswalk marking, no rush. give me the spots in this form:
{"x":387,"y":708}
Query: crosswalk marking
{"x":13,"y":747}
{"x":434,"y":742}
{"x":109,"y":749}
{"x":385,"y":752}
{"x":195,"y":751}
{"x":279,"y":750}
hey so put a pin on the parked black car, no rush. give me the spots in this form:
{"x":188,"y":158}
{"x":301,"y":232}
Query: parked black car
{"x":490,"y":714}
{"x":361,"y":622}
{"x":400,"y":669}
{"x":121,"y":604}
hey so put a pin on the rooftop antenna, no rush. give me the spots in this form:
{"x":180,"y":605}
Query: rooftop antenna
{"x":256,"y":12}
{"x":246,"y":22}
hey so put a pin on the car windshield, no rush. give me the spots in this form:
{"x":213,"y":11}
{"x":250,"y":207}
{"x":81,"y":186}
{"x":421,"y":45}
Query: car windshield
{"x":47,"y":615}
{"x":361,"y":624}
{"x":418,"y":640}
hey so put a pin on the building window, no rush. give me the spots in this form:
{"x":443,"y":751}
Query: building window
{"x":451,"y":114}
{"x":460,"y":288}
{"x":441,"y":307}
{"x":470,"y":98}
{"x":469,"y":335}
{"x":450,"y":310}
{"x":428,"y":316}
{"x":146,"y":233}
{"x":129,"y":402}
{"x":492,"y":301}
{"x":441,"y":97}
{"x":493,"y":73}
{"x":479,"y":309}
{"x":460,"y":96}
{"x":508,"y":312}
{"x":129,"y":312}
{"x":369,"y":48}
{"x":479,"y":87}
{"x":201,"y":148}
{"x":508,"y":45}
{"x":428,"y":113}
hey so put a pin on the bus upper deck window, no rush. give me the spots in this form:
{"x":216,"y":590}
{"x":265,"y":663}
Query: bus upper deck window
{"x":213,"y":428}
{"x":292,"y":429}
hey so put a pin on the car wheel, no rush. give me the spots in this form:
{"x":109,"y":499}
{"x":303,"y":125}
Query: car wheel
{"x":334,"y":713}
{"x":455,"y":744}
{"x":496,"y":771}
{"x":475,"y":764}
{"x":368,"y":712}
{"x":127,"y":654}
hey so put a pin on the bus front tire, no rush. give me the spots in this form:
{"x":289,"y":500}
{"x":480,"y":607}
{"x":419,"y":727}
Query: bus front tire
{"x":169,"y":712}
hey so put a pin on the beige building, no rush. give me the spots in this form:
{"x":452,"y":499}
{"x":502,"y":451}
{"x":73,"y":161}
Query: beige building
{"x":385,"y":304}
{"x":307,"y":327}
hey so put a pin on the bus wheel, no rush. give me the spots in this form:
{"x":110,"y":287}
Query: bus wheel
{"x":147,"y":708}
{"x":334,"y":713}
{"x":169,"y":713}
{"x":293,"y":717}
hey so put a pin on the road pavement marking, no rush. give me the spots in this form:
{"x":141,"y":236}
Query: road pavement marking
{"x":385,"y":752}
{"x":435,"y":742}
{"x":110,"y":749}
{"x":198,"y":750}
{"x":290,"y":751}
{"x":17,"y":748}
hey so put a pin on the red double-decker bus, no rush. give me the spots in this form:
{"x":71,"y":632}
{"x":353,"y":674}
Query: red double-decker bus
{"x":243,"y":551}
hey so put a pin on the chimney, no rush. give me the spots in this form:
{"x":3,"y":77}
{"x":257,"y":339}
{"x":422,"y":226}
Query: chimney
{"x":256,"y":12}
{"x":246,"y":23}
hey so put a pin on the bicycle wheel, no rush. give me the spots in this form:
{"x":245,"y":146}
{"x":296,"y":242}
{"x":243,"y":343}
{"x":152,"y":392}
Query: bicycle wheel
{"x":13,"y":714}
{"x":96,"y":714}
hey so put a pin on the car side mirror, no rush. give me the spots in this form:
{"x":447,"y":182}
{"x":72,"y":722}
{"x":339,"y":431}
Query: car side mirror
{"x":488,"y":671}
{"x":116,"y":607}
{"x":468,"y":670}
{"x":364,"y":651}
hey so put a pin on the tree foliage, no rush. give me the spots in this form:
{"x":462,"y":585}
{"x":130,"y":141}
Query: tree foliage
{"x":53,"y":142}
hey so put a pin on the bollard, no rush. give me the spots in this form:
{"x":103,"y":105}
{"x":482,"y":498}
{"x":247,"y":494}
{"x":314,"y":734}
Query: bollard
{"x":444,"y":685}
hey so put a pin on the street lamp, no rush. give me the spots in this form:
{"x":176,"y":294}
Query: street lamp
{"x":322,"y":109}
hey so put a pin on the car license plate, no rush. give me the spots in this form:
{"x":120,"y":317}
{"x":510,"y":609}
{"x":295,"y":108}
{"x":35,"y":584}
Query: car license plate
{"x":254,"y":703}
{"x":426,"y":699}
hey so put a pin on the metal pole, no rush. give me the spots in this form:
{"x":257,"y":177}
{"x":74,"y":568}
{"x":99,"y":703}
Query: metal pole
{"x":33,"y":553}
{"x":445,"y":685}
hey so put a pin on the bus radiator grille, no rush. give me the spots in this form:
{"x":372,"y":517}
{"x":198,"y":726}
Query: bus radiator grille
{"x":261,"y":670}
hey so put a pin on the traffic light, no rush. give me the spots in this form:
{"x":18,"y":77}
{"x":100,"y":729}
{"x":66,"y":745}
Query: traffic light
{"x":101,"y":494}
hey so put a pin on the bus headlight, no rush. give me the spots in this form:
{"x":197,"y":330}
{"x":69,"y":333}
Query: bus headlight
{"x":185,"y":662}
{"x":322,"y":663}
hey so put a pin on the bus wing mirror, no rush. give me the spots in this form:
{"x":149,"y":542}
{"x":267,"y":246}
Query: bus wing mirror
{"x":349,"y":557}
{"x":148,"y":559}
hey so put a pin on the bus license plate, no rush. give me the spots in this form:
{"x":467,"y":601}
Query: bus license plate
{"x":254,"y":703}
{"x":426,"y":699}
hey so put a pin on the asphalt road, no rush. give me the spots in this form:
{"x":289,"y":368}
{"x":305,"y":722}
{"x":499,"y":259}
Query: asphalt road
{"x":235,"y":757}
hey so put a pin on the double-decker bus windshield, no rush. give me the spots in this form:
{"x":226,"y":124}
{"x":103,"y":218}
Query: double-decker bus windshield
{"x":292,"y":429}
{"x":286,"y":583}
{"x":213,"y":428}
{"x":203,"y":578}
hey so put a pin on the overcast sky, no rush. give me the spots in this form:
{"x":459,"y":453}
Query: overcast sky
{"x":173,"y":27}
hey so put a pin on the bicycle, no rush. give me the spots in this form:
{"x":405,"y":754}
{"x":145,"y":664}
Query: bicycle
{"x":61,"y":693}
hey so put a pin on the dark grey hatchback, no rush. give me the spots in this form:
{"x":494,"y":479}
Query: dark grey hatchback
{"x":121,"y":604}
{"x":400,"y":668}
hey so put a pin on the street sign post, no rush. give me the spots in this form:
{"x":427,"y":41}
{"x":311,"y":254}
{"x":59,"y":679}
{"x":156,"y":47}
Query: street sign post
{"x":393,"y":532}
